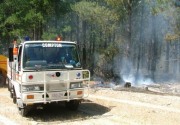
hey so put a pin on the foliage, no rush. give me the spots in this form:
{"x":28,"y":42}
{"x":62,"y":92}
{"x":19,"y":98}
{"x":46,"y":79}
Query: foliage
{"x":165,"y":6}
{"x":22,"y":17}
{"x":123,"y":7}
{"x":171,"y":37}
{"x":49,"y":36}
{"x":110,"y":52}
{"x":92,"y":12}
{"x":97,"y":25}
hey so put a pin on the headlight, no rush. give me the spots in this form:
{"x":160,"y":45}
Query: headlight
{"x":86,"y":74}
{"x":75,"y":85}
{"x":32,"y":88}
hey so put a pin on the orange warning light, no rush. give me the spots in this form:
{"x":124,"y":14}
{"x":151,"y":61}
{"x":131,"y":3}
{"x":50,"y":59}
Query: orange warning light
{"x":58,"y":38}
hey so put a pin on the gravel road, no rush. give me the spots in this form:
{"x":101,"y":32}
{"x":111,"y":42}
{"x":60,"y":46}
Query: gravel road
{"x":104,"y":106}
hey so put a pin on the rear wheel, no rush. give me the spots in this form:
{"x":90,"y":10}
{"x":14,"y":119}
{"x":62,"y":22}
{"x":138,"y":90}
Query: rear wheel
{"x":11,"y":94}
{"x":14,"y":97}
{"x":9,"y":87}
{"x":73,"y":104}
{"x":8,"y":84}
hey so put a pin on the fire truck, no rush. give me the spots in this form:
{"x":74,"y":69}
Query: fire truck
{"x":43,"y":72}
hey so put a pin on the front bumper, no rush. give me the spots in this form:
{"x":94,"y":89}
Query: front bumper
{"x":48,"y":97}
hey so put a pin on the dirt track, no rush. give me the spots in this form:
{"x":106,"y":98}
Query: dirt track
{"x":103,"y":107}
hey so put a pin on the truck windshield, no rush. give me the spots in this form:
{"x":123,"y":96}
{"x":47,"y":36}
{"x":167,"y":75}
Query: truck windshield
{"x":50,"y":55}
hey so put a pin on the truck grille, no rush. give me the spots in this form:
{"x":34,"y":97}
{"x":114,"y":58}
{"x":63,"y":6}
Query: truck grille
{"x":56,"y":86}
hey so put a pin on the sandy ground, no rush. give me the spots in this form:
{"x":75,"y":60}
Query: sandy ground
{"x":104,"y":106}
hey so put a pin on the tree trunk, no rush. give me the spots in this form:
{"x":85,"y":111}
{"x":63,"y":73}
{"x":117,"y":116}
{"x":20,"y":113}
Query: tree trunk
{"x":129,"y":27}
{"x":84,"y":28}
{"x":72,"y":25}
{"x":78,"y":29}
{"x":179,"y":53}
{"x":167,"y":57}
{"x":154,"y":48}
{"x":141,"y":41}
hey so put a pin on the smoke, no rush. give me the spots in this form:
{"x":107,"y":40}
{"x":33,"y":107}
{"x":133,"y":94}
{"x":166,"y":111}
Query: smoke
{"x":142,"y":80}
{"x":153,"y":59}
{"x":128,"y":73}
{"x":149,"y":58}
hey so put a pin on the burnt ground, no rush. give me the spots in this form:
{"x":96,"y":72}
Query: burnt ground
{"x":156,"y":88}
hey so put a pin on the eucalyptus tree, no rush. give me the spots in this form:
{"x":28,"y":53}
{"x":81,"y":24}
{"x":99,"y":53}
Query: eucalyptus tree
{"x":125,"y":10}
{"x":98,"y":26}
{"x":11,"y":20}
{"x":99,"y":17}
{"x":29,"y":17}
{"x":144,"y":46}
{"x":18,"y":17}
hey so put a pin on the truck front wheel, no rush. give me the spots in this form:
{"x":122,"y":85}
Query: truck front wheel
{"x":11,"y":94}
{"x":14,"y":96}
{"x":23,"y":111}
{"x":73,"y":104}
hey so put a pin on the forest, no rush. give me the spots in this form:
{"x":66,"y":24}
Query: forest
{"x":124,"y":40}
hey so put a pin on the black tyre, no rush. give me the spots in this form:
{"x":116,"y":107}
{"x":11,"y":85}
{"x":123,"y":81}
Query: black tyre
{"x":11,"y":94}
{"x":73,"y":104}
{"x":8,"y":84}
{"x":23,"y":111}
{"x":9,"y":88}
{"x":14,"y":97}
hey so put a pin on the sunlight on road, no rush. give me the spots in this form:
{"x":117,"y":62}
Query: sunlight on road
{"x":6,"y":121}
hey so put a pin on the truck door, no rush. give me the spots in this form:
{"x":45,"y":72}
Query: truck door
{"x":19,"y":59}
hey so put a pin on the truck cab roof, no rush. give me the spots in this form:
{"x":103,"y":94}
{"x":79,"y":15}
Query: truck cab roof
{"x":46,"y":41}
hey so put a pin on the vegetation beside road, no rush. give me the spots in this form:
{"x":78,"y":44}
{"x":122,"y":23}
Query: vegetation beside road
{"x":120,"y":37}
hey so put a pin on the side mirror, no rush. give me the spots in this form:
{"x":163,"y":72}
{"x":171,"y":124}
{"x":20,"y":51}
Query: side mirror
{"x":11,"y":59}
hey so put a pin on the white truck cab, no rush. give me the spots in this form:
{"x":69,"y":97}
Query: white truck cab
{"x":41,"y":72}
